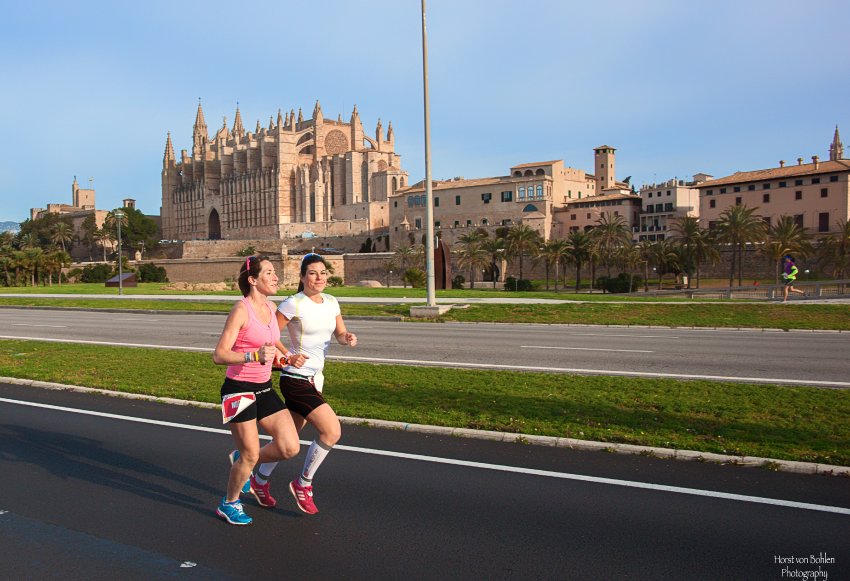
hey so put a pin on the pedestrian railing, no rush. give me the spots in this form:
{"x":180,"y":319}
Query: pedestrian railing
{"x":813,"y":290}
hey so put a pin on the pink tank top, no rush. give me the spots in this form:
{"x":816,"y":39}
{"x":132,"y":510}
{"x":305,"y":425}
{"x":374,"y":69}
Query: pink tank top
{"x":250,"y":338}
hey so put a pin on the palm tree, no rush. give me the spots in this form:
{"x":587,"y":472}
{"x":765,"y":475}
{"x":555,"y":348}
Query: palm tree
{"x":738,"y":226}
{"x":103,"y":237}
{"x":610,"y":233}
{"x":553,"y":254}
{"x":834,"y":250}
{"x":471,"y":254}
{"x":686,"y":232}
{"x":644,"y":252}
{"x":495,"y":249}
{"x":63,"y":233}
{"x":407,"y":256}
{"x":579,"y":248}
{"x":521,"y":240}
{"x":664,"y":257}
{"x":34,"y":262}
{"x":785,"y":237}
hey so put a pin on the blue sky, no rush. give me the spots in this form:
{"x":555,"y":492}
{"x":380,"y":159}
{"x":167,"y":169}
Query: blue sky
{"x":92,"y":88}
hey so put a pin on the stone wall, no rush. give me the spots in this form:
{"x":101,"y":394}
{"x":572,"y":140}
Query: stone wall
{"x":355,"y":267}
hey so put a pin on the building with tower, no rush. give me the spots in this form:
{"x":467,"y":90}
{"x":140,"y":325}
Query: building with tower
{"x":542,"y":195}
{"x":816,"y":194}
{"x":294,"y":177}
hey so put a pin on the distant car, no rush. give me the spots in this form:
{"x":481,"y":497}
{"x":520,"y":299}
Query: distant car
{"x":308,"y":234}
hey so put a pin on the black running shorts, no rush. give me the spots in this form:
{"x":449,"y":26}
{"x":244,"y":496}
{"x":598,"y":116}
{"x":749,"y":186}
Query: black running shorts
{"x":267,"y":403}
{"x":300,"y":395}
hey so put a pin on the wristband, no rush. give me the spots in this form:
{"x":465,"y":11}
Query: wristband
{"x":247,"y":356}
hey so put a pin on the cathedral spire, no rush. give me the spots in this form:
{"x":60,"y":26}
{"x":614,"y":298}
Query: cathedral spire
{"x":168,"y":159}
{"x":279,"y":120}
{"x":318,"y":117}
{"x":300,"y":116}
{"x":238,"y":129}
{"x":836,"y":149}
{"x":271,"y":123}
{"x":200,"y":135}
{"x":390,"y":133}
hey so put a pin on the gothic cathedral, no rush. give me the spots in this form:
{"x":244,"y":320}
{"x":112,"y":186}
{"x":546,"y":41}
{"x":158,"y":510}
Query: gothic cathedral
{"x":286,"y":180}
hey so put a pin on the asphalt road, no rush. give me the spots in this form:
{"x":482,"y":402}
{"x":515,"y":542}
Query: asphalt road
{"x":128,"y":496}
{"x":808,"y":358}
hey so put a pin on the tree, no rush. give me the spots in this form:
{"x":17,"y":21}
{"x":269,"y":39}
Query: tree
{"x":553,"y":253}
{"x":103,"y":237}
{"x":663,"y":255}
{"x":785,"y":237}
{"x":644,"y":253}
{"x":686,"y":232}
{"x":63,"y":233}
{"x":407,"y":255}
{"x":495,"y":249}
{"x":521,"y":241}
{"x":579,"y":248}
{"x":609,"y":234}
{"x":87,"y":233}
{"x":471,"y":254}
{"x":834,"y":250}
{"x":739,"y":226}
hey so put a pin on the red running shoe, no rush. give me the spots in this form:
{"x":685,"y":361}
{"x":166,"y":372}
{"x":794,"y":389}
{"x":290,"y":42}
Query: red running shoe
{"x":261,"y":493}
{"x":303,"y":497}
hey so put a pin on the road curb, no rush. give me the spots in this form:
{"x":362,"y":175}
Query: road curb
{"x":572,"y":443}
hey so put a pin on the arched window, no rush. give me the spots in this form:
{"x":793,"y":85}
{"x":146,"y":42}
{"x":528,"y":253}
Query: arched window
{"x":522,"y":193}
{"x":485,"y":222}
{"x":518,"y":174}
{"x":530,"y":208}
{"x":539,"y":192}
{"x":395,"y":184}
{"x":529,"y":173}
{"x":540,"y":172}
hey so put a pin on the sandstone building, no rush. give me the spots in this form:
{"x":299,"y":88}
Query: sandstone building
{"x":816,"y":194}
{"x":542,"y":195}
{"x":294,"y":178}
{"x":666,"y":202}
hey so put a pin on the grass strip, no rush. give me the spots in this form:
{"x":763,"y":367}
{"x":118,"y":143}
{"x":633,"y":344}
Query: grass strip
{"x":730,"y":315}
{"x":789,"y":423}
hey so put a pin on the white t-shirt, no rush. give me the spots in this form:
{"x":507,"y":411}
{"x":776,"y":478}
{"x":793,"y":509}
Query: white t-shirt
{"x":311,"y":328}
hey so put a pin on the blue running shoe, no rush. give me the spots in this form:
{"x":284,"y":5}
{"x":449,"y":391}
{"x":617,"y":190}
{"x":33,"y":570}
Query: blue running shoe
{"x":232,"y":512}
{"x":234,"y":456}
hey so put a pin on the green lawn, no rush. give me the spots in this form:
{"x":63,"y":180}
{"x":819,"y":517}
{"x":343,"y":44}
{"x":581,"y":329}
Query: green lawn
{"x":791,"y":423}
{"x":687,"y":314}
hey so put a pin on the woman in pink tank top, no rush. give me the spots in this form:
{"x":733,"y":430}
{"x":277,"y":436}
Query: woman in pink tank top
{"x":249,"y":345}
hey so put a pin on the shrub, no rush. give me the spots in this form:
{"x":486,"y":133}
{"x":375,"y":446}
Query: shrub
{"x":415,"y":277}
{"x":152,"y":273}
{"x":618,"y":284}
{"x":248,"y":251}
{"x":96,"y":273}
{"x":335,"y":281}
{"x":458,"y":281}
{"x":515,"y":284}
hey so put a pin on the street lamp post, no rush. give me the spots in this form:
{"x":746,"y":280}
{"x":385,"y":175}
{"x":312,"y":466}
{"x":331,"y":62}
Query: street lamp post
{"x":430,"y":285}
{"x":119,"y":215}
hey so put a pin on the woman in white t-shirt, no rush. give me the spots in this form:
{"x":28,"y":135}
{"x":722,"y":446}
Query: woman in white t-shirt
{"x":312,"y":319}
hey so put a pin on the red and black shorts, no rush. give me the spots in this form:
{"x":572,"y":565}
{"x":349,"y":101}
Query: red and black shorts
{"x":266,"y":404}
{"x":300,"y":395}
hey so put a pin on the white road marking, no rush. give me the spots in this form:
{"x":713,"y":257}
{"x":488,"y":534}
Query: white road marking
{"x":461,"y":365}
{"x":622,"y":335}
{"x":586,"y":349}
{"x":481,"y":465}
